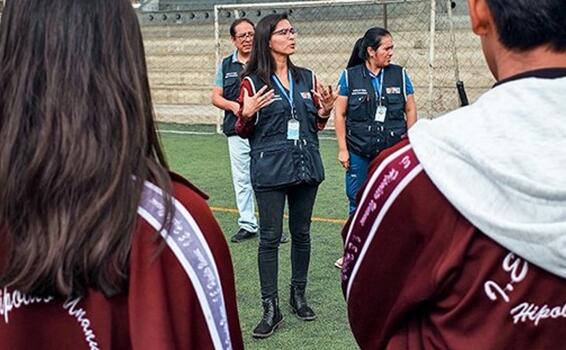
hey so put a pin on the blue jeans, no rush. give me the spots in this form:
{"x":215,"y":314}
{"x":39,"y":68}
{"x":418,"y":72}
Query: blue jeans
{"x":240,"y":163}
{"x":355,"y":177}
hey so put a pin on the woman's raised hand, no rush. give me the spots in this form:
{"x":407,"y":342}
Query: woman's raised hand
{"x":252,"y":104}
{"x":326,"y":96}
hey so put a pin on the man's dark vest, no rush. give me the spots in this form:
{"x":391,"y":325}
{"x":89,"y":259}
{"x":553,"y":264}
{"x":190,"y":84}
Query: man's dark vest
{"x":277,"y":162}
{"x":231,"y":91}
{"x":364,"y":135}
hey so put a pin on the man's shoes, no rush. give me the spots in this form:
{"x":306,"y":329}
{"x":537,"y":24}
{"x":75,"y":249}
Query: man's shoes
{"x":271,"y":319}
{"x":242,"y":235}
{"x":284,"y":238}
{"x":299,"y":305}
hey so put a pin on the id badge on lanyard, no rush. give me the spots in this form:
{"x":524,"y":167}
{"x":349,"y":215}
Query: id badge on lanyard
{"x":293,"y":129}
{"x":293,"y":125}
{"x":380,"y":111}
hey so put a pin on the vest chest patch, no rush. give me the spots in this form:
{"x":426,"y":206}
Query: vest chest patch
{"x":393,"y":90}
{"x":306,"y":95}
{"x":231,"y":75}
{"x":277,"y":97}
{"x":359,"y":92}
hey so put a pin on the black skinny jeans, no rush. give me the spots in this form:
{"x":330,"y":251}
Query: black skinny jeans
{"x":271,"y":205}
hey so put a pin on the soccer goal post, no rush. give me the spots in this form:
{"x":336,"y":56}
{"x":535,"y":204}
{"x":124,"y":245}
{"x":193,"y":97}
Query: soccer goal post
{"x":329,"y":29}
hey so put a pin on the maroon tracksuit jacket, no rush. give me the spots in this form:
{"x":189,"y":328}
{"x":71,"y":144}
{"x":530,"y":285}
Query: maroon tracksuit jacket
{"x":182,"y":298}
{"x":418,"y":275}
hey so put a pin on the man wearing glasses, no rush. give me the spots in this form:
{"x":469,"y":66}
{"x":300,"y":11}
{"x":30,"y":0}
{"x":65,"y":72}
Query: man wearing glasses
{"x":224,"y":94}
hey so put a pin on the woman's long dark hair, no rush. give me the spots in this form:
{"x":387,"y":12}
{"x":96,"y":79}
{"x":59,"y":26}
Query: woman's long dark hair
{"x":78,"y":141}
{"x":372,"y":38}
{"x":261,"y":61}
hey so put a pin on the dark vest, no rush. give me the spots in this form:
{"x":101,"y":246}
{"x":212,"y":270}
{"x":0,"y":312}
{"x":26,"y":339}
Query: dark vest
{"x":231,"y":91}
{"x":275,"y":161}
{"x":364,"y":135}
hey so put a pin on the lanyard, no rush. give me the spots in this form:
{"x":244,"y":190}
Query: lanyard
{"x":378,"y":94}
{"x":288,"y":97}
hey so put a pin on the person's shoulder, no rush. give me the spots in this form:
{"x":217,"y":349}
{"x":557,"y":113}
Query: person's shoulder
{"x":355,"y":68}
{"x":191,"y":202}
{"x":400,"y":207}
{"x":252,"y":81}
{"x":397,"y":173}
{"x":184,"y":186}
{"x":307,"y":75}
{"x":190,"y":213}
{"x":186,"y":270}
{"x":223,"y":66}
{"x":402,"y":149}
{"x":390,"y":176}
{"x":192,"y":233}
{"x":227,"y":59}
{"x":397,"y":177}
{"x":398,"y":187}
{"x":395,"y":68}
{"x":305,"y":72}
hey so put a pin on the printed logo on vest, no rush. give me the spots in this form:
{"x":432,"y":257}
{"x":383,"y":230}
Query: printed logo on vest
{"x":393,"y":90}
{"x":306,"y":95}
{"x":359,"y":92}
{"x":231,"y":75}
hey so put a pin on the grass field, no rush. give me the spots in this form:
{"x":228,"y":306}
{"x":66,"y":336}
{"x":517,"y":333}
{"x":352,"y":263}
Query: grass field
{"x":203,"y":159}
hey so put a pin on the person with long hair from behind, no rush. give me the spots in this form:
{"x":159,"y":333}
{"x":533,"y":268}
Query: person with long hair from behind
{"x":282,"y":109}
{"x":85,"y":195}
{"x":373,"y":110}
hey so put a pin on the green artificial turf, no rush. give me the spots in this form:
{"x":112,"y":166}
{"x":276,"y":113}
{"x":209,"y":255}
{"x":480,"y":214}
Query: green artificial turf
{"x":203,"y":159}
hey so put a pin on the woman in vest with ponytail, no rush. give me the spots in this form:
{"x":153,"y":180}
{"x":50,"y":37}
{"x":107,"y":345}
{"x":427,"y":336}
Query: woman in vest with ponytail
{"x":374,"y":107}
{"x":282,"y":110}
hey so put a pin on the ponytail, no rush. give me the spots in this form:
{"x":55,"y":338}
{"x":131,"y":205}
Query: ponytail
{"x":357,"y":57}
{"x":372,"y":38}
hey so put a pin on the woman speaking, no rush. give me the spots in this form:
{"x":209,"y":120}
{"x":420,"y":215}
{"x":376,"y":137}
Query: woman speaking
{"x":281,"y":112}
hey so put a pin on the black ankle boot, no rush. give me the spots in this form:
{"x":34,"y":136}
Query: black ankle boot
{"x":299,"y":304}
{"x":271,"y":319}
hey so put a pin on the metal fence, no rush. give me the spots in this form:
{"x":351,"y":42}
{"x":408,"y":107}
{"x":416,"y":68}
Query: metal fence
{"x":434,"y":44}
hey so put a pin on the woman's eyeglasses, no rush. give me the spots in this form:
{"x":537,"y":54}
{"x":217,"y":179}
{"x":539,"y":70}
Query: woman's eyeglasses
{"x":286,"y":31}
